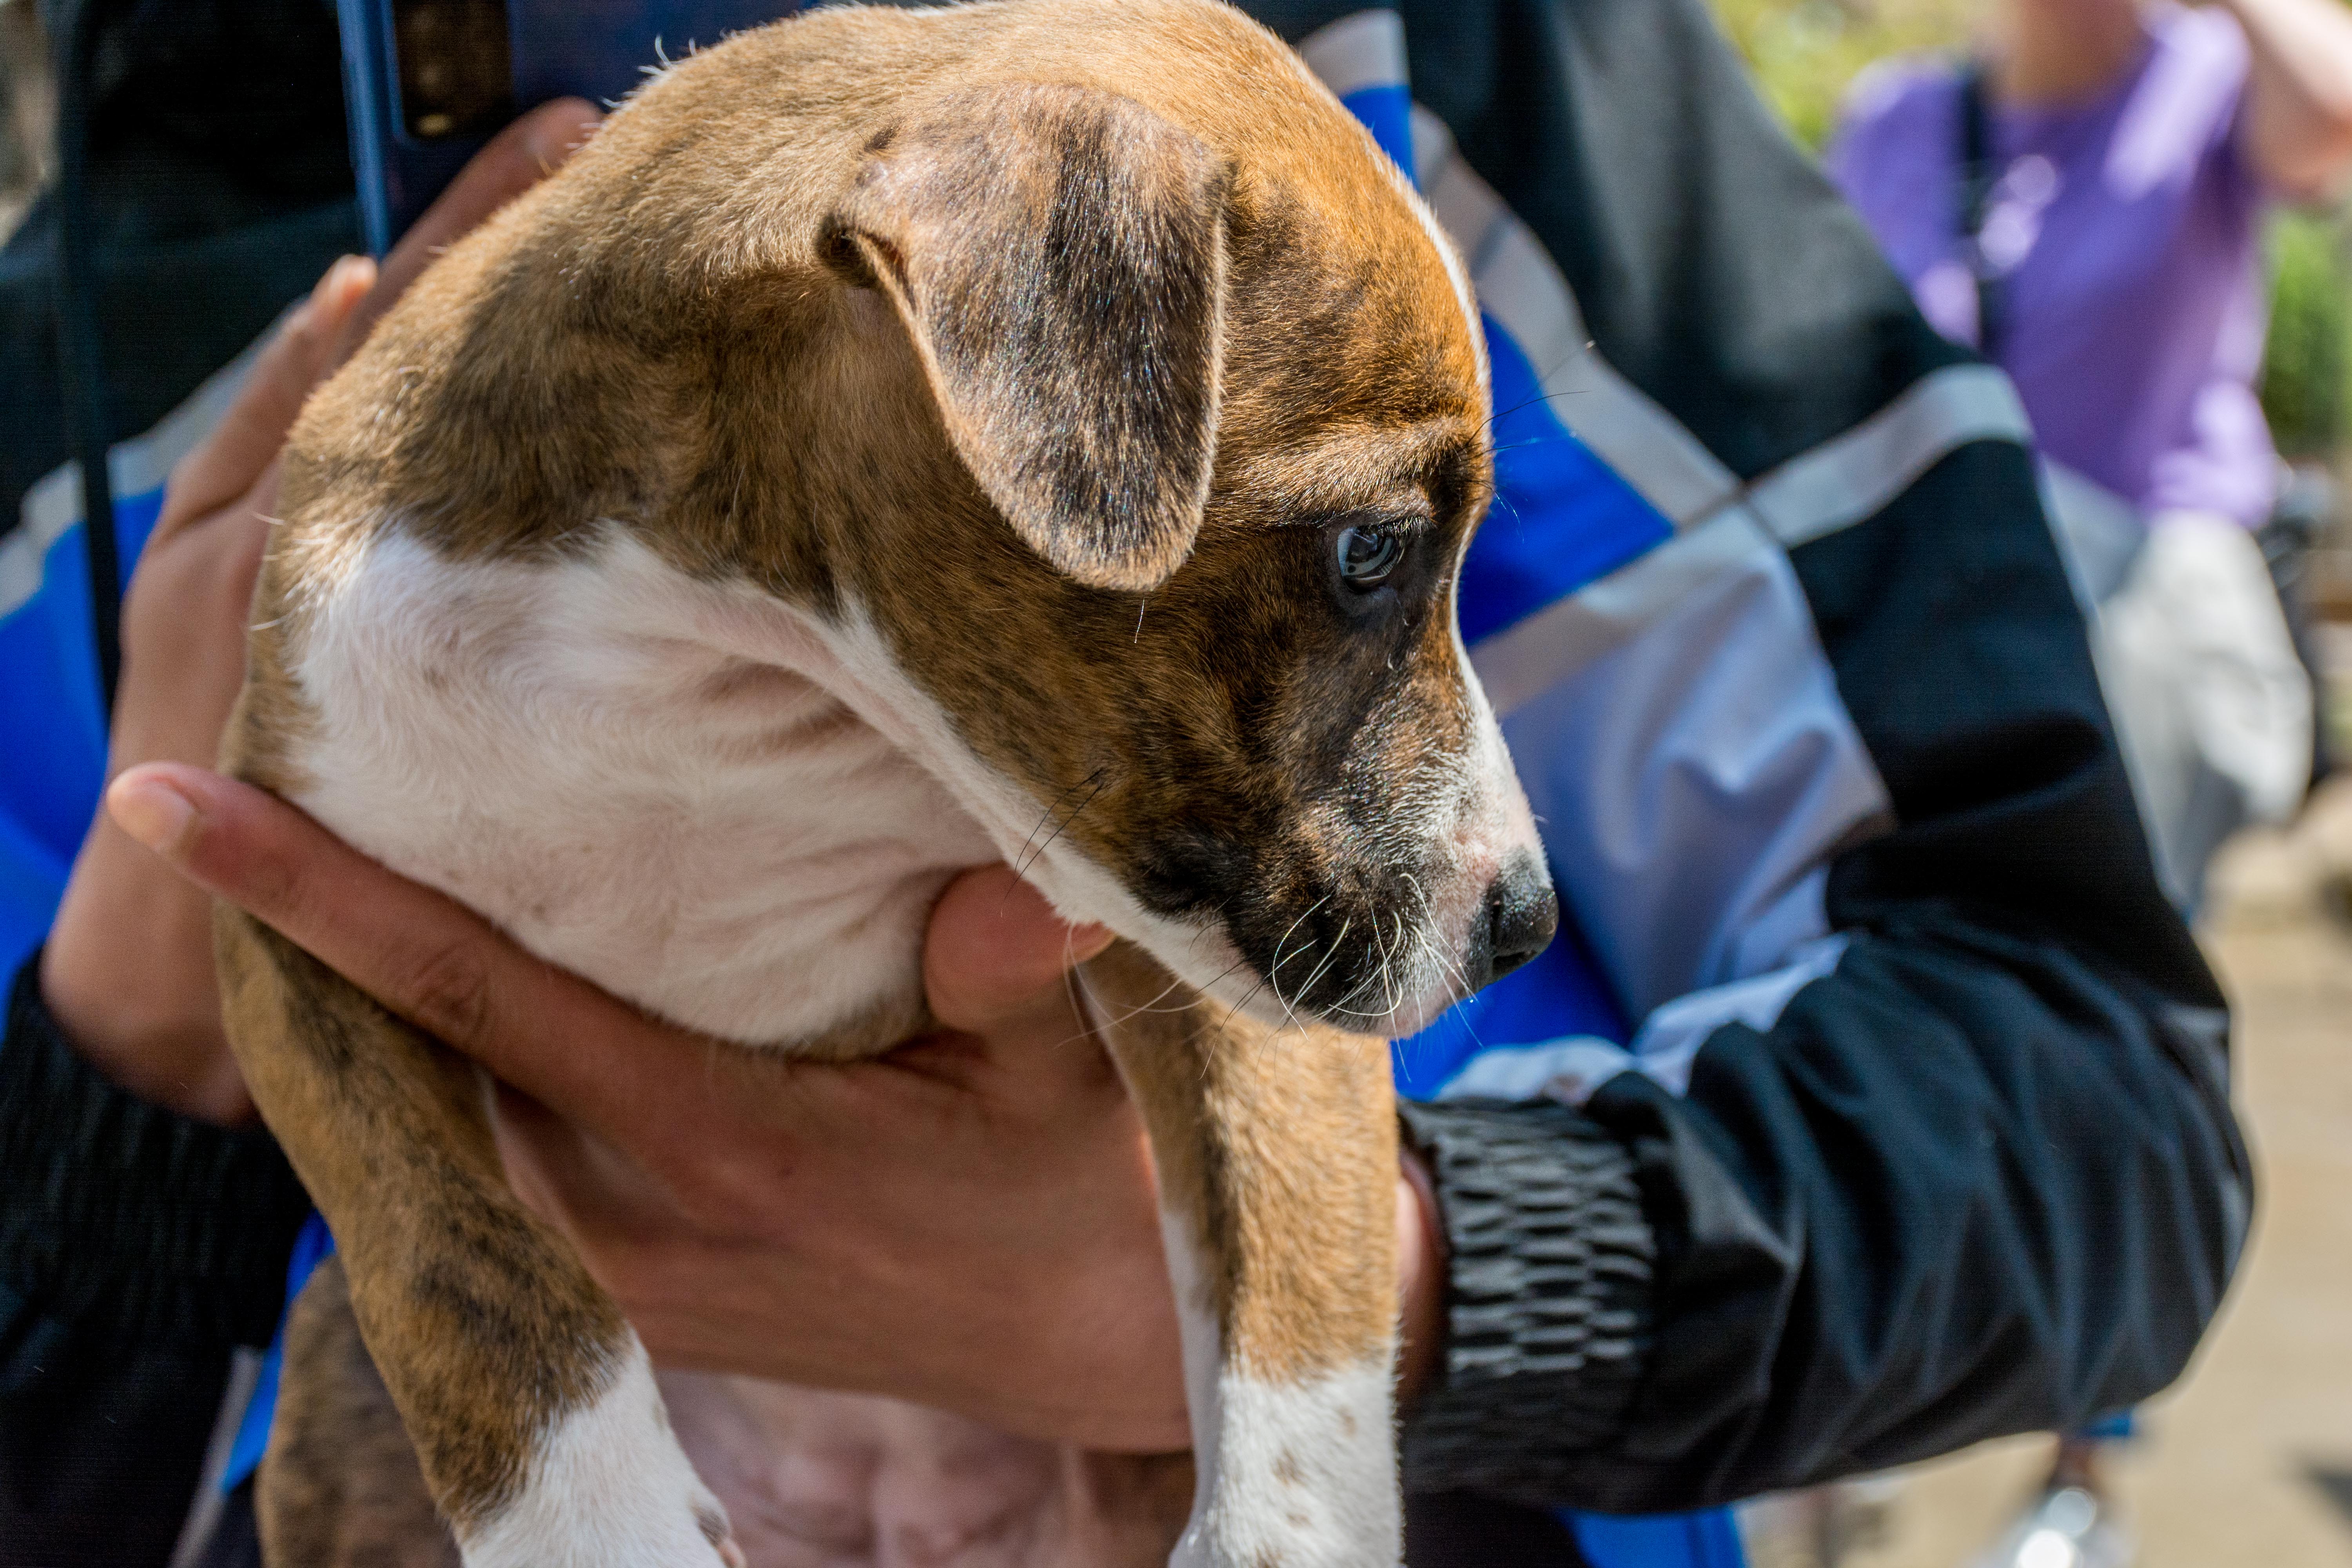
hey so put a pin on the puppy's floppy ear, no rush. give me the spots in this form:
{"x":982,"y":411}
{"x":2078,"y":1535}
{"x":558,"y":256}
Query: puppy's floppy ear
{"x":1057,"y":254}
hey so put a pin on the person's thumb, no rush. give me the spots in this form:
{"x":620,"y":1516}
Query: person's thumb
{"x":996,"y":950}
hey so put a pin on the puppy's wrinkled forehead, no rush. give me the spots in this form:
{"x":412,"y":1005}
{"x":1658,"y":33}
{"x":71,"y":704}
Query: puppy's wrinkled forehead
{"x":1326,"y":231}
{"x":1346,"y":304}
{"x":1353,"y":357}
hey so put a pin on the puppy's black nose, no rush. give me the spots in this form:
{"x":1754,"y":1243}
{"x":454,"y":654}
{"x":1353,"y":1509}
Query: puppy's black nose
{"x":1522,"y":912}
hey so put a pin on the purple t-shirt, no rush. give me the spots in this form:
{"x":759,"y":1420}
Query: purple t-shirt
{"x":2126,"y":227}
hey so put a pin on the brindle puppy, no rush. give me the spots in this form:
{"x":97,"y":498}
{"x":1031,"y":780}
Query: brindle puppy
{"x":901,"y":439}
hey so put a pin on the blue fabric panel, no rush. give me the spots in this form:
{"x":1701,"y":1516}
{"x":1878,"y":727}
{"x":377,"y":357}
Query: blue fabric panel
{"x":1561,"y":517}
{"x":313,"y":1247}
{"x":1704,"y":1540}
{"x":1387,"y":113}
{"x":31,"y":881}
{"x":56,"y":735}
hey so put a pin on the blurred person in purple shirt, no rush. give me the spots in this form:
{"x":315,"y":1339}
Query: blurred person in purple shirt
{"x":2081,"y":202}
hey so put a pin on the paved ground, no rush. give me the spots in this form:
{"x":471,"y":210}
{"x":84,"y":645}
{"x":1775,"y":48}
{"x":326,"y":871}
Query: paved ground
{"x":2248,"y":1464}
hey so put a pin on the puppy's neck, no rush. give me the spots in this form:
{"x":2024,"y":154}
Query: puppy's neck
{"x":663,"y":784}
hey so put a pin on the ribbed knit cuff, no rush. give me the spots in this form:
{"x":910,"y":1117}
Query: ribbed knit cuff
{"x":119,"y":1216}
{"x":1548,"y":1304}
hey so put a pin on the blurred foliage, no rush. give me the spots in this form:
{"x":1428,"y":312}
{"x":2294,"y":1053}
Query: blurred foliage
{"x":1805,"y":53}
{"x":2308,"y":361}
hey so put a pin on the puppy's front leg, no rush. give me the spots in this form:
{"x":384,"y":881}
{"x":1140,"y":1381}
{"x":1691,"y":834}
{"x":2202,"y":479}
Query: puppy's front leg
{"x":529,"y":1402}
{"x":1277,"y":1159}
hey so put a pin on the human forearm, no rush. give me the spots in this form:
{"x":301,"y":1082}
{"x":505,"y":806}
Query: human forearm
{"x":2298,"y":109}
{"x":1421,"y":1258}
{"x":157,"y":1033}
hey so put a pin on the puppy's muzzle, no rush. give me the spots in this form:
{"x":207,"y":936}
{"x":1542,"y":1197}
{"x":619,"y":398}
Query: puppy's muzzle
{"x":1520,"y":915}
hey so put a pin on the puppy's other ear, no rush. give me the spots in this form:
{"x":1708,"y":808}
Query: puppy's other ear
{"x":1058,"y":255}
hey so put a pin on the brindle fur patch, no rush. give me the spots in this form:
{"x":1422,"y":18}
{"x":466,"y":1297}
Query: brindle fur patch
{"x":339,"y":1487}
{"x":482,"y":1318}
{"x":1060,"y":277}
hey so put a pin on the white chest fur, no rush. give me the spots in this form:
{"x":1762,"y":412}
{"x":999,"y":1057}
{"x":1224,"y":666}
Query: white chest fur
{"x":643,"y":778}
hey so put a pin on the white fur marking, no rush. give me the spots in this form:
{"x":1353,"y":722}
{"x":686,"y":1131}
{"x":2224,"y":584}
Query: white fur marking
{"x":649,"y":780}
{"x":1203,"y":1344}
{"x":1307,"y":1474}
{"x":1303,"y":1475}
{"x":608,"y":1487}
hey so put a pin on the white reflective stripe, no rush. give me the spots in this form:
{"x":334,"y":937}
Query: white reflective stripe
{"x":1836,"y":484}
{"x":1366,"y":50}
{"x":1853,"y":476}
{"x":1463,"y":203}
{"x":1839,"y":483}
{"x":1647,"y":446}
{"x":134,"y":467}
{"x":1681,"y":737}
{"x":1566,"y":1069}
{"x":1529,"y":657}
{"x":1570,"y":1070}
{"x":203,"y":1514}
{"x":1522,"y":289}
{"x":1670,"y":1037}
{"x":21,"y":554}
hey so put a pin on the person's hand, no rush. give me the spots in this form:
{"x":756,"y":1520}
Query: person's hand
{"x":2296,"y":119}
{"x":128,"y":968}
{"x":968,"y":1223}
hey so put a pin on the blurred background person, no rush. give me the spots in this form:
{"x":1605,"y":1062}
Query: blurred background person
{"x":2080,"y":201}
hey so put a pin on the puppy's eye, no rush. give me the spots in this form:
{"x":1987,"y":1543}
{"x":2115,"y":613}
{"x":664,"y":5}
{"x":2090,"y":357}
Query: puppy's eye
{"x":1367,"y":555}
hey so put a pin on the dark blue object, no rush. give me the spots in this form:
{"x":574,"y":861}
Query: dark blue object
{"x":595,"y":49}
{"x":1708,"y":1539}
{"x":81,"y":352}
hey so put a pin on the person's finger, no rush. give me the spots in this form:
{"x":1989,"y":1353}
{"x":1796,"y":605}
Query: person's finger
{"x":227,"y":462}
{"x":427,"y":958}
{"x":1420,"y":1277}
{"x":516,"y":159}
{"x":996,"y":948}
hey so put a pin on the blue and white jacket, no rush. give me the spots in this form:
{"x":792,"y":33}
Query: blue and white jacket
{"x":1872,"y":1100}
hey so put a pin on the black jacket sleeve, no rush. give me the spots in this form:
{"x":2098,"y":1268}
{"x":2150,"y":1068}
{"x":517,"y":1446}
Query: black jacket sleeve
{"x":1982,"y":1178}
{"x":138,"y":1251}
